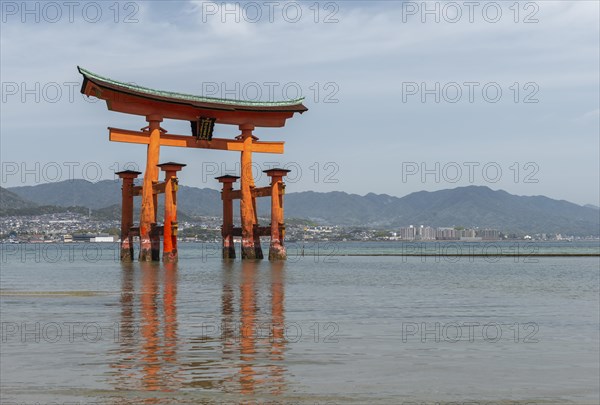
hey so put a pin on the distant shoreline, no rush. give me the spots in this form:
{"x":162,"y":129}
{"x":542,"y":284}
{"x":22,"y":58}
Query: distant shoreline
{"x":470,"y":254}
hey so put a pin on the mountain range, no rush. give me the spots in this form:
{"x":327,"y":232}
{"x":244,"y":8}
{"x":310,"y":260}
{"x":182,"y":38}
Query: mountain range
{"x":471,"y":206}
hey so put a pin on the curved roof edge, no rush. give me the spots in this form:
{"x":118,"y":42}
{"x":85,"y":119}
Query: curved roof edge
{"x":200,"y":101}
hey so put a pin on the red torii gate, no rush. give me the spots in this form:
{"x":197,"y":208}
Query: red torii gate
{"x":203,"y":113}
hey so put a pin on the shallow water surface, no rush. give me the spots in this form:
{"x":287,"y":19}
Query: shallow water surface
{"x":314,"y":330}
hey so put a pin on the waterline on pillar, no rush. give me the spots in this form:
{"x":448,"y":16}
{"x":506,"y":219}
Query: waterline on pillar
{"x":170,"y":257}
{"x":126,"y":250}
{"x":228,"y":252}
{"x":145,"y":252}
{"x":251,"y":252}
{"x":277,"y":252}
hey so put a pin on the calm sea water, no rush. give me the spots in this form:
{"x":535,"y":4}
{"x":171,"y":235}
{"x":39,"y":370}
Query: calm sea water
{"x":80,"y":327}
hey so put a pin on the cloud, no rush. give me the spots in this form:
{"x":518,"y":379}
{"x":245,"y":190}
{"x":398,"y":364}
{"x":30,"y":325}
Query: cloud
{"x":368,"y":54}
{"x":590,"y":116}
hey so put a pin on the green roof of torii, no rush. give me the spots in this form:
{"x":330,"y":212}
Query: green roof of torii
{"x":189,"y":98}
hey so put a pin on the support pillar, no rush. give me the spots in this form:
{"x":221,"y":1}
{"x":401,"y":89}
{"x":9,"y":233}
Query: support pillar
{"x":149,"y":238}
{"x":257,"y":247}
{"x":250,"y":244}
{"x":127,"y":177}
{"x":154,"y":231}
{"x":277,"y":248}
{"x":227,"y":229}
{"x":170,"y":224}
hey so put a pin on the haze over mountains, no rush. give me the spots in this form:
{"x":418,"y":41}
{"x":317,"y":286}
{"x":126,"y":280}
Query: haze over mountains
{"x":472,"y":206}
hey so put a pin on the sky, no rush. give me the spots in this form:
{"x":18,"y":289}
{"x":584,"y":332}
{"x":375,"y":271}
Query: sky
{"x":402,"y":96}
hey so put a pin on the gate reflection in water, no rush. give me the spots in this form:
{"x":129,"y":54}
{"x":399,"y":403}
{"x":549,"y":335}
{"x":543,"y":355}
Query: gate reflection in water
{"x":242,"y":352}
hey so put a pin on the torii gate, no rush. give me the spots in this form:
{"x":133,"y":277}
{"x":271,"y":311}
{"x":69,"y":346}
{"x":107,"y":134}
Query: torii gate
{"x":203,"y":113}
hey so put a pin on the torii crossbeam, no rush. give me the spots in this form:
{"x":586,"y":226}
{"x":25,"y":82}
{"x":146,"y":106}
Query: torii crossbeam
{"x":203,"y":113}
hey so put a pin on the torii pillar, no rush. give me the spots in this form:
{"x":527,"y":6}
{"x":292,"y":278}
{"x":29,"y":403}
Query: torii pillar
{"x":170,"y":227}
{"x":227,"y":230}
{"x":277,"y":249}
{"x":149,"y":239}
{"x":127,"y":177}
{"x":250,"y":238}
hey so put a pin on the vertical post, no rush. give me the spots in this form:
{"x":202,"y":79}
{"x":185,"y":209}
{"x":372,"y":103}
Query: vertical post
{"x":250,"y":245}
{"x":170,"y":223}
{"x":227,"y":229}
{"x":277,"y":248}
{"x":127,"y":176}
{"x":257,"y":247}
{"x":154,"y":231}
{"x":148,"y":250}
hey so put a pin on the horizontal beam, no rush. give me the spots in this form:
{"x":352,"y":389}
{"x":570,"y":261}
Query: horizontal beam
{"x":262,"y":231}
{"x":256,"y":192}
{"x":157,"y":229}
{"x":158,"y":188}
{"x":188,"y":141}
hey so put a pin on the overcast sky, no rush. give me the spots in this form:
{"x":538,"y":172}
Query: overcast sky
{"x":391,"y":91}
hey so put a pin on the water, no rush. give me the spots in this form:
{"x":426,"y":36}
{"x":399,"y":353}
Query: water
{"x":80,"y":327}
